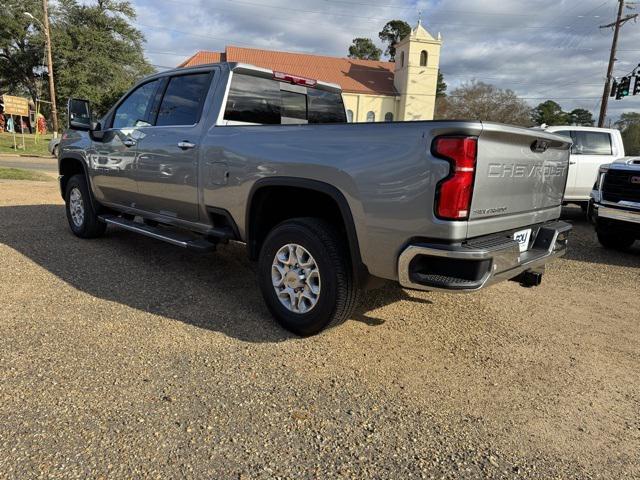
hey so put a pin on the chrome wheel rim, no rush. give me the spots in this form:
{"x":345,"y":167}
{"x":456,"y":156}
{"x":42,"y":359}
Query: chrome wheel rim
{"x":296,"y":278}
{"x":76,"y":207}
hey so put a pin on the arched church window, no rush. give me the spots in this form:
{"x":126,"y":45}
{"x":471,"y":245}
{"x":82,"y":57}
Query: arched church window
{"x":423,"y":58}
{"x":388,"y":117}
{"x":350,"y":116}
{"x":371,"y":117}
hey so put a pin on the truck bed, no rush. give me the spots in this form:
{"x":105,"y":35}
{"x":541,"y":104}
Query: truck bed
{"x":388,"y":175}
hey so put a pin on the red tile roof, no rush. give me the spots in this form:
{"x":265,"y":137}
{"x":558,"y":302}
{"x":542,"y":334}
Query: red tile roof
{"x":355,"y":76}
{"x":202,"y":57}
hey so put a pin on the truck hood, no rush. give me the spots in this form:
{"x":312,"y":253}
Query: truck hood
{"x":627,"y":161}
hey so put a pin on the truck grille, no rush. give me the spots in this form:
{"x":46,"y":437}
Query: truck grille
{"x":617,"y":186}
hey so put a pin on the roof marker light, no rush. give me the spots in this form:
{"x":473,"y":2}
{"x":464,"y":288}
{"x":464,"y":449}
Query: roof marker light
{"x":286,"y":77}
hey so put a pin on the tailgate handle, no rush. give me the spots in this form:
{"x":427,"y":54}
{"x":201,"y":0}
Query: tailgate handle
{"x":540,"y":146}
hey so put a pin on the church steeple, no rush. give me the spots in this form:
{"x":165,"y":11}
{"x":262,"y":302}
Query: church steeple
{"x":416,"y":72}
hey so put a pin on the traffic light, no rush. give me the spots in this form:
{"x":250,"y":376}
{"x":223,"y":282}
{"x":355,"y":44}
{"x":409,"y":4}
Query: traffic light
{"x":636,"y":87}
{"x":623,"y":88}
{"x":614,"y":89}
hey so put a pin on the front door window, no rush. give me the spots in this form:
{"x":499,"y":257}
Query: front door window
{"x":134,"y":111}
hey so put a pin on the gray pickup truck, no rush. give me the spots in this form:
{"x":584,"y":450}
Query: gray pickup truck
{"x":230,"y":152}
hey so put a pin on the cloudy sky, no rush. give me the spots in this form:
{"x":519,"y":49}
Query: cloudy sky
{"x":539,"y":48}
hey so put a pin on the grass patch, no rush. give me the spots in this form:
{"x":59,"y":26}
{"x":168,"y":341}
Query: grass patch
{"x":20,"y":174}
{"x":30,"y":147}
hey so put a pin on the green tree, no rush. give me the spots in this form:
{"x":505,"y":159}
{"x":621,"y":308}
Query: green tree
{"x":97,"y":53}
{"x":441,"y":88}
{"x":21,"y":48}
{"x":364,"y":49}
{"x":582,"y":117}
{"x":628,"y":119}
{"x":391,"y":34}
{"x":100,"y":54}
{"x":549,"y":113}
{"x":629,"y":124}
{"x":481,"y":101}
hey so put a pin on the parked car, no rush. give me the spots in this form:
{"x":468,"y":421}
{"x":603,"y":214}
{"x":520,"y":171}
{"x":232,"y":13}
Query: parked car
{"x":592,"y":147}
{"x":201,"y":156}
{"x":53,"y":146}
{"x":615,"y":206}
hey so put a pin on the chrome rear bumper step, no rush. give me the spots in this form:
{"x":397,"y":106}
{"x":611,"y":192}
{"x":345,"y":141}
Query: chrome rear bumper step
{"x":178,"y":238}
{"x":481,"y":262}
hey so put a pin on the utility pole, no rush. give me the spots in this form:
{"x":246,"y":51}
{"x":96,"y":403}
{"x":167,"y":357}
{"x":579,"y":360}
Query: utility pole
{"x":612,"y":59}
{"x":52,"y":88}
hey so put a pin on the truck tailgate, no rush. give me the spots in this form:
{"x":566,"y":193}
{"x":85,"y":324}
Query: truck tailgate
{"x":520,"y":174}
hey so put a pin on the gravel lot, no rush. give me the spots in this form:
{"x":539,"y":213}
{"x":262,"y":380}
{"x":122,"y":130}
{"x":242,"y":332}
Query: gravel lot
{"x":125,"y":357}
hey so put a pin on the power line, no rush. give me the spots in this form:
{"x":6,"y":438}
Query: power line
{"x":281,"y":9}
{"x":458,"y":12}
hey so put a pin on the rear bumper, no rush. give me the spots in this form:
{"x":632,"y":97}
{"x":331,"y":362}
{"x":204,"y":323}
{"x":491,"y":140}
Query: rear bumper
{"x":478,"y":264}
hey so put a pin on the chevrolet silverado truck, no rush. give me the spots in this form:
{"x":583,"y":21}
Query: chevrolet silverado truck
{"x":615,"y":203}
{"x":201,"y":156}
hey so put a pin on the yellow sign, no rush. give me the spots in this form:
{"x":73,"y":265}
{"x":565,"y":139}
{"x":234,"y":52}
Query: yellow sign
{"x":15,"y":106}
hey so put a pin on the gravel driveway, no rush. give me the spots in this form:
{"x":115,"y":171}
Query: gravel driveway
{"x":125,"y":357}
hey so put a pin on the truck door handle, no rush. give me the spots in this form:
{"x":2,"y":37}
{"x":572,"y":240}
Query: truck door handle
{"x":572,"y":163}
{"x":129,"y":142}
{"x":185,"y":145}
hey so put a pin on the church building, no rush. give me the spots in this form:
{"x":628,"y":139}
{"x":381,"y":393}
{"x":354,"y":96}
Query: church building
{"x":373,"y":91}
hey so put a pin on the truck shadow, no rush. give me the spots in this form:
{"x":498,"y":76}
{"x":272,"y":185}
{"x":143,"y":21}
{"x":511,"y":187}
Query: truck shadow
{"x":584,"y":245}
{"x":217,"y":292}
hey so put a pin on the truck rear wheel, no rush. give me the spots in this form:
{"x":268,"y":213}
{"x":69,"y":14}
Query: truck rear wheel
{"x":305,"y":276}
{"x":81,"y":215}
{"x":615,"y":240}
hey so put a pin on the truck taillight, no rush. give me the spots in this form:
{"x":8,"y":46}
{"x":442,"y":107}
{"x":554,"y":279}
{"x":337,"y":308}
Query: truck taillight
{"x":453,"y":198}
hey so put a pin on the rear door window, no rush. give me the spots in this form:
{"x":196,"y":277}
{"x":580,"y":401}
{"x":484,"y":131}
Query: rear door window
{"x":591,"y":143}
{"x":183,"y":99}
{"x":253,"y":100}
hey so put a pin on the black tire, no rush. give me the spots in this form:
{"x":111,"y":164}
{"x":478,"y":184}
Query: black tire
{"x":615,"y":240}
{"x":89,"y":226}
{"x":339,"y":291}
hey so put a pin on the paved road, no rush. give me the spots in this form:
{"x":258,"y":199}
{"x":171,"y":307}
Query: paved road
{"x":29,"y":163}
{"x":124,"y":357}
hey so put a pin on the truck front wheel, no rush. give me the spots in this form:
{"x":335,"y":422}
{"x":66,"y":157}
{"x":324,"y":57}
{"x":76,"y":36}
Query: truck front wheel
{"x":305,"y":276}
{"x":81,"y":215}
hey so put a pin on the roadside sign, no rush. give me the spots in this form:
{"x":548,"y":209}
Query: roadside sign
{"x":15,"y":105}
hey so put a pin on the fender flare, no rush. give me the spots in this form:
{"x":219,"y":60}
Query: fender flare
{"x":76,"y":158}
{"x":360,"y":270}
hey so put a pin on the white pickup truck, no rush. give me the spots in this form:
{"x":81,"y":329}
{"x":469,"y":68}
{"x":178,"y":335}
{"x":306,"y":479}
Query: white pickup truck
{"x":592,"y":147}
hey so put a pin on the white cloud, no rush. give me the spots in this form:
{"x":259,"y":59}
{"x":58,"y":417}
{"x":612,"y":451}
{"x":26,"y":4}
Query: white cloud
{"x":538,"y":48}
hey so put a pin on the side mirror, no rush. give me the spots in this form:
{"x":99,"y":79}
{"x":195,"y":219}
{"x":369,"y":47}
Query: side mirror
{"x":79,"y":115}
{"x":96,"y":131}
